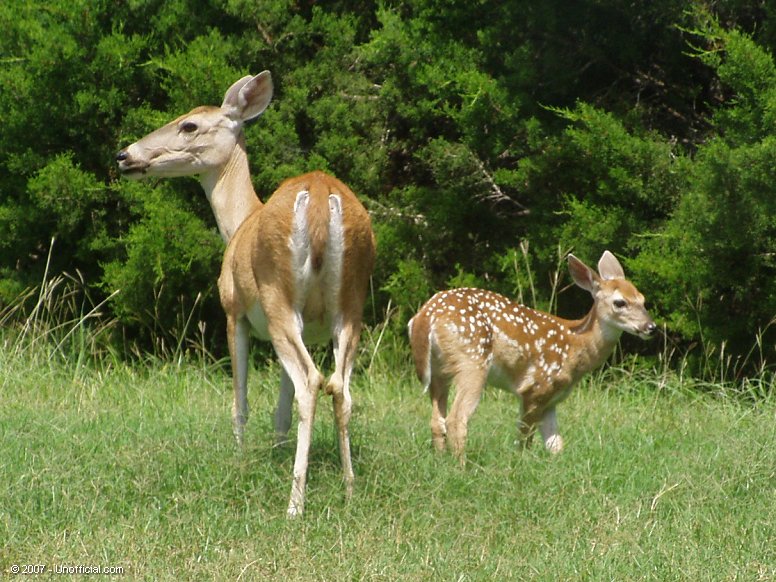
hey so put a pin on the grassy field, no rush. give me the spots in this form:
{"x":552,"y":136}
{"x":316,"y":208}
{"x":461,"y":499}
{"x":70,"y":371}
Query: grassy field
{"x":135,"y":466}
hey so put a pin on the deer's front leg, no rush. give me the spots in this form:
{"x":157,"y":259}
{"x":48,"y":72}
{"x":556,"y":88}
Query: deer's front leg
{"x":553,"y":442}
{"x":531,"y":415}
{"x":237,"y":330}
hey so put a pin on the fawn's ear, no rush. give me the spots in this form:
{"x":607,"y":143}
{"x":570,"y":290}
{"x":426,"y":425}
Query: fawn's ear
{"x":583,"y":275}
{"x":609,"y":267}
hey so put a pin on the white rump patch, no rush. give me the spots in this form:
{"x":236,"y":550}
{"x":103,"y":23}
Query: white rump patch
{"x":300,"y":240}
{"x":302,"y":198}
{"x":299,"y":244}
{"x":335,"y":205}
{"x":335,"y":251}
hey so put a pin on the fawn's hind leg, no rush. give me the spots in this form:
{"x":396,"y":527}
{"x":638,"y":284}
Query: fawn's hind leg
{"x":438,"y":389}
{"x":469,"y":384}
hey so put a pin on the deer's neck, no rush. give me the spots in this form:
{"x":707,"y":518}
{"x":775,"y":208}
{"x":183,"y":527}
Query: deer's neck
{"x":230,"y":192}
{"x":595,"y":342}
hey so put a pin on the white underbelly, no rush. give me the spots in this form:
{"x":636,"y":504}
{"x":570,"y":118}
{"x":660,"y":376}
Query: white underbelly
{"x":316,"y":331}
{"x":258,"y":319}
{"x":498,"y":378}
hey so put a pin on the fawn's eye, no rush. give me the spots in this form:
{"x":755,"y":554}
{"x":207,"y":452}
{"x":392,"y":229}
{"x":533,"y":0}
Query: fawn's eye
{"x":620,"y":303}
{"x":188,"y":127}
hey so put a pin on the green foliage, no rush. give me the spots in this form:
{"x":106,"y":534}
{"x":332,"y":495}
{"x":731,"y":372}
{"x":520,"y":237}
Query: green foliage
{"x":712,"y":268}
{"x":616,"y":184}
{"x":470,"y":130}
{"x":716,"y":250}
{"x":750,"y":72}
{"x":408,"y":287}
{"x":171,"y":259}
{"x":65,"y":197}
{"x":464,"y":279}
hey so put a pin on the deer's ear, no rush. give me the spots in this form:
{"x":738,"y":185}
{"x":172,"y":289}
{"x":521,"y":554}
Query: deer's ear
{"x":248,"y":97}
{"x":609,"y":267}
{"x":583,"y":275}
{"x":231,"y":100}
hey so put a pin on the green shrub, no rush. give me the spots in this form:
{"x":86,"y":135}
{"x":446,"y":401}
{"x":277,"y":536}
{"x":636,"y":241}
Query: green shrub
{"x":470,"y":130}
{"x":712,"y":268}
{"x":170,"y":267}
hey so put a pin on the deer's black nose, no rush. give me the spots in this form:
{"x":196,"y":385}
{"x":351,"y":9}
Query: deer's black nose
{"x":651,"y":329}
{"x":122,"y":155}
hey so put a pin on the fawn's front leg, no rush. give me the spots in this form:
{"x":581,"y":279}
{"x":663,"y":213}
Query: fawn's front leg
{"x":553,"y":442}
{"x":537,"y":413}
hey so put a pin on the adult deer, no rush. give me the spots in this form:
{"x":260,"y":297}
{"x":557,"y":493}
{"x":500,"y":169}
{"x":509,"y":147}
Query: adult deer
{"x":295,"y":270}
{"x":474,"y":337}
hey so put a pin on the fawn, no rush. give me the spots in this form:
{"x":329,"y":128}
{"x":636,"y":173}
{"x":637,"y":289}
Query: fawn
{"x":473,"y":337}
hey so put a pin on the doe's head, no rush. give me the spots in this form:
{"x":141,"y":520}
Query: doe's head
{"x":200,"y":140}
{"x":618,"y":303}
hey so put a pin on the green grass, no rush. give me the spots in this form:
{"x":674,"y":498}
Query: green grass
{"x":135,"y":466}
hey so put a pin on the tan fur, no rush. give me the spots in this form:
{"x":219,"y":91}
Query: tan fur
{"x":480,"y":337}
{"x":295,"y":271}
{"x":419,"y":329}
{"x":256,"y":260}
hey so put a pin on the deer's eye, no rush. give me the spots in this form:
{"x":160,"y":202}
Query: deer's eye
{"x":620,"y":303}
{"x":188,"y":127}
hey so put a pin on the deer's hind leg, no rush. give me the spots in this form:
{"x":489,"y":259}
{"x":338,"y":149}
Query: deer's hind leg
{"x":438,"y":389}
{"x":286,"y":336}
{"x":469,"y":382}
{"x":345,"y":348}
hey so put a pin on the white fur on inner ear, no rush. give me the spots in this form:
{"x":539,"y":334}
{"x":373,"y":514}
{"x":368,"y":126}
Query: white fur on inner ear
{"x":609,"y":267}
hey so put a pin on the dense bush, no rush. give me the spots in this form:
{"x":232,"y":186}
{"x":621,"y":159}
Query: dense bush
{"x":486,"y":139}
{"x":713,"y":267}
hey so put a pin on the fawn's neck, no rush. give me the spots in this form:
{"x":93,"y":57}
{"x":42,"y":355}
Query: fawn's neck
{"x":592,"y":343}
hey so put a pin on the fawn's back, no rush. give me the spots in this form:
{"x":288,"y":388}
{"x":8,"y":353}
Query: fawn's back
{"x":485,"y":329}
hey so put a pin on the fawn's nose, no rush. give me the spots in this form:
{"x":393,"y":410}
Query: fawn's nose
{"x":122,"y":155}
{"x":650,"y":329}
